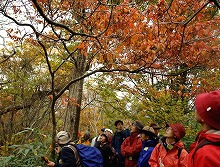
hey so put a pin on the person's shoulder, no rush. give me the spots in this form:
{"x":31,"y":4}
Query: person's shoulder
{"x":158,"y":145}
{"x":126,"y":131}
{"x":184,"y":152}
{"x":207,"y":151}
{"x":68,"y":149}
{"x":94,"y":138}
{"x":126,"y":139}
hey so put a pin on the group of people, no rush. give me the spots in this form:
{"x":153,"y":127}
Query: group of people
{"x":142,"y":146}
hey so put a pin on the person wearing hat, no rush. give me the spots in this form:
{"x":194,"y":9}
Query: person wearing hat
{"x":105,"y":149}
{"x":207,"y":148}
{"x":156,"y":128}
{"x":170,"y":152}
{"x":132,"y":145}
{"x":109,"y":133}
{"x":119,"y":136}
{"x":148,"y":144}
{"x":66,"y":154}
{"x":95,"y":140}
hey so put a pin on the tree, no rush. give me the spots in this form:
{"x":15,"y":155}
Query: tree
{"x":165,"y":38}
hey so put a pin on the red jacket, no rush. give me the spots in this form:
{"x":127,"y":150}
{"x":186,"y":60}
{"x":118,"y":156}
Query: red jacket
{"x":208,"y":155}
{"x":193,"y":145}
{"x":160,"y":156}
{"x":130,"y":149}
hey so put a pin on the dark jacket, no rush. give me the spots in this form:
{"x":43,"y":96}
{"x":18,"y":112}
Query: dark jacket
{"x":106,"y":152}
{"x":118,"y":139}
{"x":66,"y":158}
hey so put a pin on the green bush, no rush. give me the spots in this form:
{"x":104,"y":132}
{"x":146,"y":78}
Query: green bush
{"x":28,"y":153}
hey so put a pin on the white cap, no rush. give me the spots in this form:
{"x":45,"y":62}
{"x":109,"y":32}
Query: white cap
{"x":63,"y":137}
{"x":108,"y":130}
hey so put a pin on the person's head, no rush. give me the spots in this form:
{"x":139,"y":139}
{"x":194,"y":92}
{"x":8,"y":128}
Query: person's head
{"x":208,"y":109}
{"x":108,"y":132}
{"x":86,"y":136}
{"x":104,"y":138}
{"x":147,"y":133}
{"x":63,"y":137}
{"x":156,"y":128}
{"x":136,"y":127}
{"x":102,"y":131}
{"x":119,"y":125}
{"x":176,"y":131}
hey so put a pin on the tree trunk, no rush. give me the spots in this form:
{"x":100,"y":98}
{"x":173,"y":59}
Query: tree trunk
{"x":75,"y":98}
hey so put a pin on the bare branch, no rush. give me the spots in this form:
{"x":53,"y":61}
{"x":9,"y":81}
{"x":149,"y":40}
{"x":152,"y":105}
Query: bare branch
{"x":195,"y":14}
{"x":58,"y":24}
{"x":186,"y":23}
{"x":6,"y":57}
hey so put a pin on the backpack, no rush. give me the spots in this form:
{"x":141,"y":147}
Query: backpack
{"x":203,"y":143}
{"x":114,"y":159}
{"x":86,"y":156}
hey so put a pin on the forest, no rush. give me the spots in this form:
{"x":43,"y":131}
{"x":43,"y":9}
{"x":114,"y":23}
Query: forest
{"x":79,"y":65}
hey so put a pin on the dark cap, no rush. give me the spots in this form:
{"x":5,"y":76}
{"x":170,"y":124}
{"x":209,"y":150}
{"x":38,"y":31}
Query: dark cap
{"x":118,"y":121}
{"x":138,"y":124}
{"x":155,"y":126}
{"x":103,"y":129}
{"x":148,"y":131}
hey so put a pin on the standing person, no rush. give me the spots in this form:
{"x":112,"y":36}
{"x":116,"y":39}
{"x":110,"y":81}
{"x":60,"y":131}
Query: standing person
{"x":207,"y":149}
{"x":119,"y":136}
{"x":148,"y":143}
{"x":66,"y":154}
{"x":156,"y":128}
{"x":170,"y":152}
{"x":105,"y":150}
{"x":109,"y":134}
{"x":95,"y":140}
{"x":132,"y":145}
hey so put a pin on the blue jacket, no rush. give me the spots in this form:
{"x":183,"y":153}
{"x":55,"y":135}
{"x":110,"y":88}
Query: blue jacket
{"x":118,"y":139}
{"x":147,"y":148}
